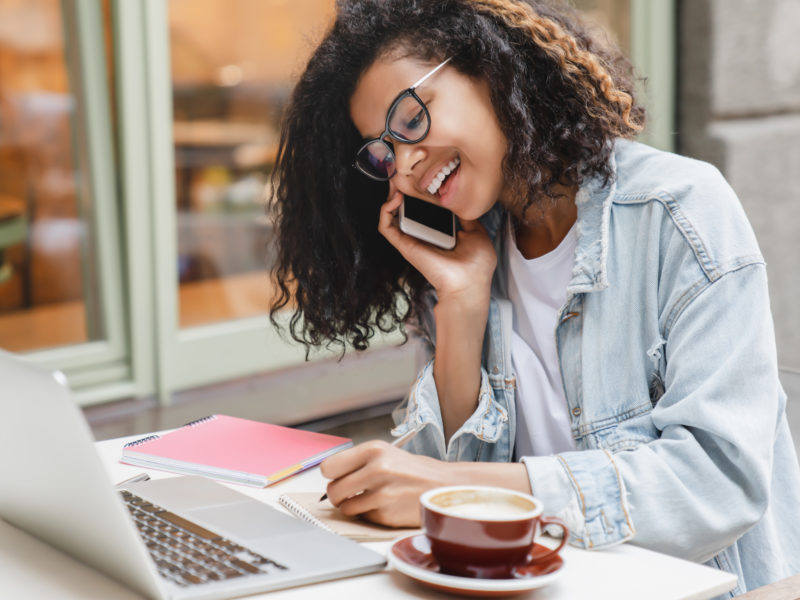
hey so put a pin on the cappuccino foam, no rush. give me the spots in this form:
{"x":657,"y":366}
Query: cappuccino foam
{"x":487,"y":509}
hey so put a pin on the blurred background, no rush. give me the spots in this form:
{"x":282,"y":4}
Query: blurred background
{"x":136,"y":145}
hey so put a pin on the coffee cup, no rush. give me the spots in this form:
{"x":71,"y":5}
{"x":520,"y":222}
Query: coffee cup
{"x":485,"y":532}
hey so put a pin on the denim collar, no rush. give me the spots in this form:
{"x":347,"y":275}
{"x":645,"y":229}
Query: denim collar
{"x":591,"y":253}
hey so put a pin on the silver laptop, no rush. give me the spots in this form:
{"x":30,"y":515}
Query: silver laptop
{"x":181,"y":537}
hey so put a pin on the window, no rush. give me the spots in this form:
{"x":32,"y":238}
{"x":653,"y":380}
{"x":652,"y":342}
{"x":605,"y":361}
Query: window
{"x":645,"y":30}
{"x":48,"y":288}
{"x":230,"y":81}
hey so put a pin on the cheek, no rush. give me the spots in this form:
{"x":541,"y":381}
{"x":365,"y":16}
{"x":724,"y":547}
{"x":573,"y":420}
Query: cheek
{"x":493,"y":150}
{"x":498,"y":146}
{"x":487,"y":142}
{"x":495,"y":143}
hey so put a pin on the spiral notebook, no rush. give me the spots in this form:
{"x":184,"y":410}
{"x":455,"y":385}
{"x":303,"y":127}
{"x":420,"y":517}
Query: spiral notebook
{"x":306,"y":506}
{"x":235,"y":450}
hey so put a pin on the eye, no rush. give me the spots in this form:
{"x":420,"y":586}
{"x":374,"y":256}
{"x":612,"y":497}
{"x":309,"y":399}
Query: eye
{"x":418,"y":120}
{"x":408,"y":120}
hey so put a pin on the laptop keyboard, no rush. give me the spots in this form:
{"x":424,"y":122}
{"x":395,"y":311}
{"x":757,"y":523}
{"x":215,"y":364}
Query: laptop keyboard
{"x":188,"y":554}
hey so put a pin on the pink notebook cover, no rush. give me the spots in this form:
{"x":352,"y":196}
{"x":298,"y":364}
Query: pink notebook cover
{"x":231,"y":448}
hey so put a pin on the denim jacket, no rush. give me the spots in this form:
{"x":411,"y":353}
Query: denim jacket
{"x":667,"y":354}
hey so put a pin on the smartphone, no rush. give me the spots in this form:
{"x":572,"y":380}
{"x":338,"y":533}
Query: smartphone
{"x":428,"y":222}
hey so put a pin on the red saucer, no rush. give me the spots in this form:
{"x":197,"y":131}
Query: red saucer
{"x":412,"y":556}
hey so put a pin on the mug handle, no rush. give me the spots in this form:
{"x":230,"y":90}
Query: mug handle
{"x":543,"y":521}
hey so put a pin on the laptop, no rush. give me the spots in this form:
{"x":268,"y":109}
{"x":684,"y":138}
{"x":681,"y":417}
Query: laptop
{"x":151,"y":536}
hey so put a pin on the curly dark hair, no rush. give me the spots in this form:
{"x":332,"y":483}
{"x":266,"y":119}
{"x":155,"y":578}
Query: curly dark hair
{"x":561,"y":93}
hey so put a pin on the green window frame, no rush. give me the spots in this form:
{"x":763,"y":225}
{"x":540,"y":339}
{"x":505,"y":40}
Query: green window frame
{"x":654,"y":55}
{"x":97,"y":370}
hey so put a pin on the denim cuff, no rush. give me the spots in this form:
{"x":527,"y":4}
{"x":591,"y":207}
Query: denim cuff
{"x":550,"y":484}
{"x":421,"y":411}
{"x":586,"y":491}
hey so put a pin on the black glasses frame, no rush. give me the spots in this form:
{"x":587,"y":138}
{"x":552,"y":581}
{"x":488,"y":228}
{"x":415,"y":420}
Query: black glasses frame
{"x":387,"y":130}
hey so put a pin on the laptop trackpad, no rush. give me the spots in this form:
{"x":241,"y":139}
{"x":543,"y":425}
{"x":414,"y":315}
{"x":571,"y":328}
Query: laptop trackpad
{"x":218,"y":507}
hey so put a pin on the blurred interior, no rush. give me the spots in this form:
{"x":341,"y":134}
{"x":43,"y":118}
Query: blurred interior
{"x":231,"y":71}
{"x":42,"y":229}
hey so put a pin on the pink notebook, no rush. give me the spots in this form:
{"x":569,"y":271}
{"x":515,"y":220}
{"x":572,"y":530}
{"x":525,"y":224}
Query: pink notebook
{"x":233,"y":449}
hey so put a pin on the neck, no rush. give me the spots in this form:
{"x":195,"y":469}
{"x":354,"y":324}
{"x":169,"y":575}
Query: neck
{"x":540,"y":231}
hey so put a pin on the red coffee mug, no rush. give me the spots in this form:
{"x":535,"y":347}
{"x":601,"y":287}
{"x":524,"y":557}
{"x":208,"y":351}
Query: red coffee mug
{"x":480,"y":531}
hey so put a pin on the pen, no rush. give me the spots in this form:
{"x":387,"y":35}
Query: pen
{"x":134,"y":479}
{"x":397,"y":443}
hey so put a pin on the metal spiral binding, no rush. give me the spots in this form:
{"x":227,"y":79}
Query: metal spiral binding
{"x":200,"y":421}
{"x":141,"y":441}
{"x":295,"y":508}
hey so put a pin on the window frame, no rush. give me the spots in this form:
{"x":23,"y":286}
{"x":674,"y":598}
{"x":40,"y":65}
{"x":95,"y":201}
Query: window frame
{"x":654,"y":55}
{"x":97,"y":364}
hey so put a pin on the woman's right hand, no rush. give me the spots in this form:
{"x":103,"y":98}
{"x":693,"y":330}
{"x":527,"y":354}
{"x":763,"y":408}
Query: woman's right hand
{"x":462,"y":279}
{"x":463,"y":272}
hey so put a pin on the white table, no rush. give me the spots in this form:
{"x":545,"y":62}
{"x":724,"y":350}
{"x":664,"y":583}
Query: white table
{"x":29,"y":569}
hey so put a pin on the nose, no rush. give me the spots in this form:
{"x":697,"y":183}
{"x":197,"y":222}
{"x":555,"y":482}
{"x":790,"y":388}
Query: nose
{"x":407,"y":156}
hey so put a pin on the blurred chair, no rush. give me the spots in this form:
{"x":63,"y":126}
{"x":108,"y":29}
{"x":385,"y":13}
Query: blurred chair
{"x":13,"y":230}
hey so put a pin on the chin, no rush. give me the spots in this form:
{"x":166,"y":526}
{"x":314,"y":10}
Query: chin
{"x":470,"y":215}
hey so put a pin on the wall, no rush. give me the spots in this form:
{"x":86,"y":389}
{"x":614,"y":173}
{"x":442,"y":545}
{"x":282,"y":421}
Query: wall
{"x":739,"y":108}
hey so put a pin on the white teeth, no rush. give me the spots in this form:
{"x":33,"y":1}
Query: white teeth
{"x":442,"y":175}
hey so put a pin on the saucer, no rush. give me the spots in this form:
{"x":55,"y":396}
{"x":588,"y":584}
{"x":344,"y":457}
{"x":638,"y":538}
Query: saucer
{"x":412,"y":556}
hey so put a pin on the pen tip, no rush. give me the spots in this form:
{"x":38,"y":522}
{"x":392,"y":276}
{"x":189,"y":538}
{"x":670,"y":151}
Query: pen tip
{"x":323,"y":497}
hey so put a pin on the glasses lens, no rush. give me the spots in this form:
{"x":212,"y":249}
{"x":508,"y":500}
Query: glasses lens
{"x":409,"y":119}
{"x":376,"y":159}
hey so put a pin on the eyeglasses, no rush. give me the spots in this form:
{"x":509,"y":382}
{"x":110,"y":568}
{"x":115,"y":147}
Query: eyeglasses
{"x":408,"y":121}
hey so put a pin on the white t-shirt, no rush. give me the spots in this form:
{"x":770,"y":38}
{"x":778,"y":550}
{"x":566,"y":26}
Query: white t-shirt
{"x":538,"y":289}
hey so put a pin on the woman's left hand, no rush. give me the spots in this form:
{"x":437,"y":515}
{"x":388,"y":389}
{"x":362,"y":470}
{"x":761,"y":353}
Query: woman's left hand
{"x":381,"y":482}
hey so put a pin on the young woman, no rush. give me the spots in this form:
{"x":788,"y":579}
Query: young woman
{"x":600,"y":334}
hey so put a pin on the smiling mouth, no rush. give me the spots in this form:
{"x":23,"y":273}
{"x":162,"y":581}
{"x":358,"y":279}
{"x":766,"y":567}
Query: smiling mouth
{"x":442,"y":175}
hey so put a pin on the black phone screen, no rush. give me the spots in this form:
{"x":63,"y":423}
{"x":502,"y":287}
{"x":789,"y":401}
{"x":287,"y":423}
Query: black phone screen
{"x":428,"y":214}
